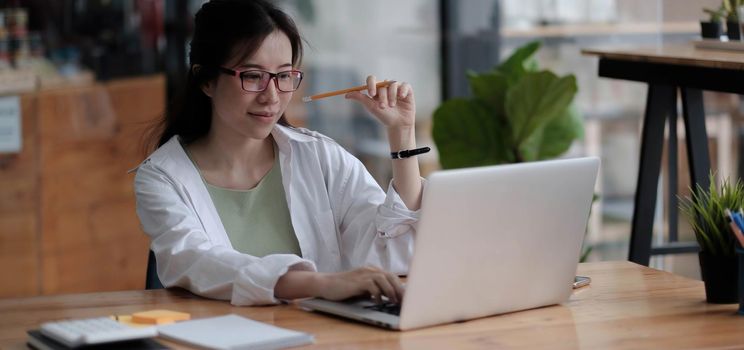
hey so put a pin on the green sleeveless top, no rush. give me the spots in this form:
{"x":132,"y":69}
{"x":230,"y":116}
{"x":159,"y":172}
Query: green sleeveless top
{"x":257,"y":221}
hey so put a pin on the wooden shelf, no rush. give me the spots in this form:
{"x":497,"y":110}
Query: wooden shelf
{"x":603,"y":29}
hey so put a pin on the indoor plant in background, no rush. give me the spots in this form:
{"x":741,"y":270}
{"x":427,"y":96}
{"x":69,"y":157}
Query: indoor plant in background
{"x":733,"y":27}
{"x":518,"y":113}
{"x":704,"y":210}
{"x":713,"y":28}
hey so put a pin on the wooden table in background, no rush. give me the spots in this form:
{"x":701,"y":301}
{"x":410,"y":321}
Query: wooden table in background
{"x":670,"y":71}
{"x":67,"y":216}
{"x":627,"y":306}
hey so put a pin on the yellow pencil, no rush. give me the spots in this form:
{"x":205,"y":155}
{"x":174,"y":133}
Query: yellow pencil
{"x":344,"y":91}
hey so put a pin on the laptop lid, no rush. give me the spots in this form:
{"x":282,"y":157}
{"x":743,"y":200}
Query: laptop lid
{"x":498,"y":239}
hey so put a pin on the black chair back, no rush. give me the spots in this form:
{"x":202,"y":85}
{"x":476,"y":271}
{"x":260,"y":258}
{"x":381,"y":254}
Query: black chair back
{"x":152,"y":280}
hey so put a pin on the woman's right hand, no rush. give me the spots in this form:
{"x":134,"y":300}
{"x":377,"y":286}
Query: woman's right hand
{"x":362,"y":281}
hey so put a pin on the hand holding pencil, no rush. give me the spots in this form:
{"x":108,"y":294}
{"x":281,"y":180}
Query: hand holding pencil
{"x":390,"y":101}
{"x":345,"y":91}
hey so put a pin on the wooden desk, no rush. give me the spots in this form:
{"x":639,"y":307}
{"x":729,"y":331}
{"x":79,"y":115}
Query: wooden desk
{"x":670,"y":70}
{"x":627,"y":306}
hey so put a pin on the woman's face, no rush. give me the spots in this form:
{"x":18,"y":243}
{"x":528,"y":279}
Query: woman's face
{"x":251,"y":114}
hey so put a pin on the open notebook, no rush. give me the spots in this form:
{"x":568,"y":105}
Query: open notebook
{"x":233,"y":332}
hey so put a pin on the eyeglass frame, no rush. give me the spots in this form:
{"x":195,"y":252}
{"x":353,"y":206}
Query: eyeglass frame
{"x":272,"y":76}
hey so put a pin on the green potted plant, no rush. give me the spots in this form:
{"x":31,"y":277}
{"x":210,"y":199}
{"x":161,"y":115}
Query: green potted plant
{"x":713,"y":28}
{"x":518,"y":113}
{"x":733,"y":26}
{"x":704,"y":210}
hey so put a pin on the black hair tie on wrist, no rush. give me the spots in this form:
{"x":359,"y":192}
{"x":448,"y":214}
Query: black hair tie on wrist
{"x":409,"y":152}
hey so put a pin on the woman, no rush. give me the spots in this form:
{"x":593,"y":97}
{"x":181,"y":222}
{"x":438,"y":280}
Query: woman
{"x":241,"y":206}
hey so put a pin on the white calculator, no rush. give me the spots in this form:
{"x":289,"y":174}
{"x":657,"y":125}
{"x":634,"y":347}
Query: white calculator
{"x":74,"y":333}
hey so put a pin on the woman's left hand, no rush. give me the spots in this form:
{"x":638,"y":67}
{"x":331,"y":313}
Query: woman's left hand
{"x":393,"y":105}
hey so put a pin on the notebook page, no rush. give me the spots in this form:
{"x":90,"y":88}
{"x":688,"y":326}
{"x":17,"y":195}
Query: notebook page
{"x":233,"y":332}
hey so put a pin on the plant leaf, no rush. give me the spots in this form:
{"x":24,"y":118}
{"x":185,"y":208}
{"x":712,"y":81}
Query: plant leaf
{"x":535,"y":100}
{"x":520,"y":62}
{"x":530,"y":148}
{"x":555,"y":138}
{"x":467,"y":134}
{"x":490,"y":88}
{"x":704,"y":209}
{"x":585,"y":253}
{"x":560,"y":133}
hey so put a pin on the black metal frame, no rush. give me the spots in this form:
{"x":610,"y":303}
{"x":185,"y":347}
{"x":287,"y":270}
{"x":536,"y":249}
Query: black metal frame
{"x":665,"y":82}
{"x":695,"y":77}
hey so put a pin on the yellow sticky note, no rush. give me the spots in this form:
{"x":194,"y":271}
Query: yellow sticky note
{"x":127,"y":320}
{"x":159,"y":317}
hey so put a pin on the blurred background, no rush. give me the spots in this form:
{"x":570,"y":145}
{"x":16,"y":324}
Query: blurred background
{"x":82,"y":81}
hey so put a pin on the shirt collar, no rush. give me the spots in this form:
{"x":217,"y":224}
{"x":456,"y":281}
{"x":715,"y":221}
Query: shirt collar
{"x":285,"y":134}
{"x":282,"y":135}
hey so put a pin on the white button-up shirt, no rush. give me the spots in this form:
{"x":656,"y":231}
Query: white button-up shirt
{"x":341,"y":217}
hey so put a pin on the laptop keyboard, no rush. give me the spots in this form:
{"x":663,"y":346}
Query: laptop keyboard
{"x":389,"y":308}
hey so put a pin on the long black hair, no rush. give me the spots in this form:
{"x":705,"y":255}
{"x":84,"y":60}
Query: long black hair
{"x":222,"y":28}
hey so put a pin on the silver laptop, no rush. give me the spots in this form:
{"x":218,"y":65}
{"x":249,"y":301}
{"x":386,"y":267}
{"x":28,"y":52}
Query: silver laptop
{"x":490,"y":240}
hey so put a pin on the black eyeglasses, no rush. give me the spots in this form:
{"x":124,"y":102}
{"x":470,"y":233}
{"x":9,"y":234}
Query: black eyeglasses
{"x":258,"y":80}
